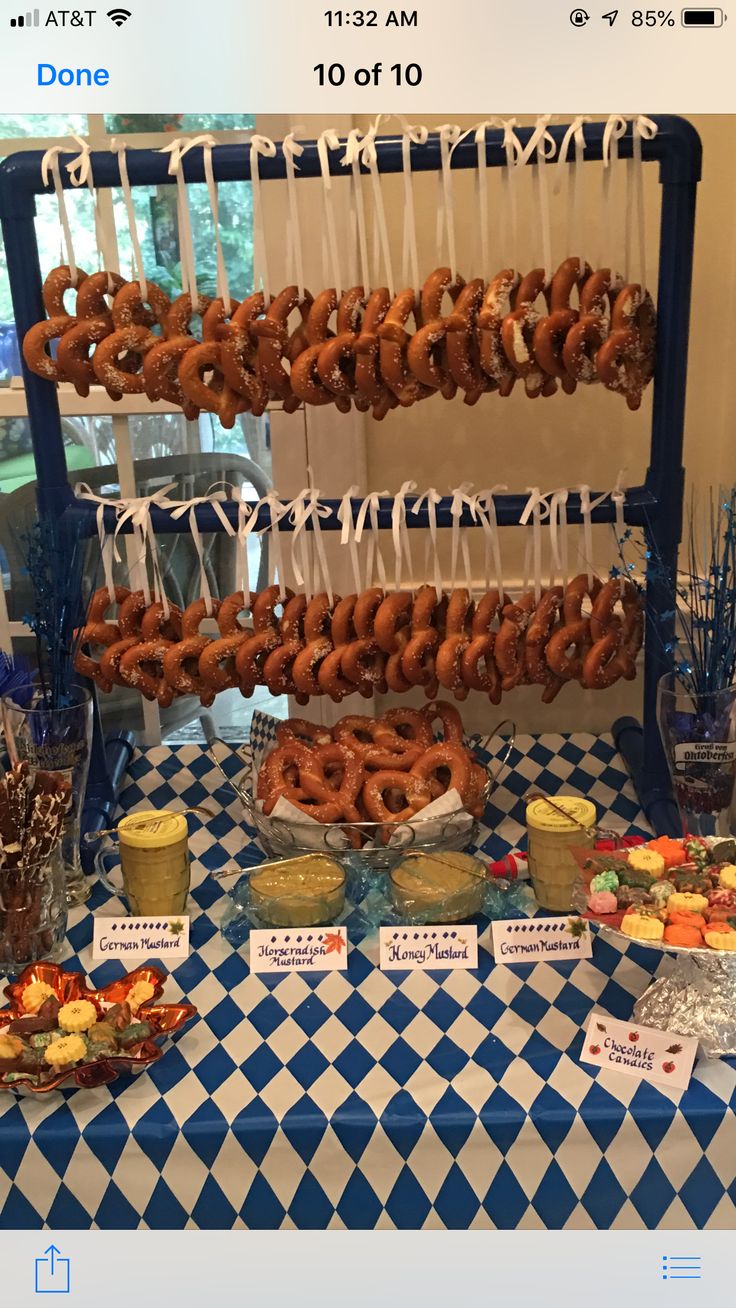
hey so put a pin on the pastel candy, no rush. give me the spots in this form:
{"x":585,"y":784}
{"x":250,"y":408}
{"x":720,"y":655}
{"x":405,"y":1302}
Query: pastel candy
{"x":604,"y":881}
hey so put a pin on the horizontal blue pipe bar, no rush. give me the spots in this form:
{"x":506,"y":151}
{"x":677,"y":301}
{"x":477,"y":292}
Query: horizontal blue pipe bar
{"x":639,"y":511}
{"x":676,"y":147}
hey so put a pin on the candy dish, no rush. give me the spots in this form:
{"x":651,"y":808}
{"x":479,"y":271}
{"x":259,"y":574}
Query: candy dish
{"x":150,"y":1022}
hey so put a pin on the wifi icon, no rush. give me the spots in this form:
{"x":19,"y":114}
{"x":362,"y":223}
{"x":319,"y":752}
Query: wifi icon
{"x":119,"y":16}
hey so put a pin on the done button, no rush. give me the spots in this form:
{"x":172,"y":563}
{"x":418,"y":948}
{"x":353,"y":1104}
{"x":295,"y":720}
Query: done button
{"x":48,"y":74}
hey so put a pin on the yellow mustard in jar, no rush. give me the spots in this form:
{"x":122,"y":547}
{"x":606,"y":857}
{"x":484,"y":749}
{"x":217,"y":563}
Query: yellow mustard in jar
{"x":552,"y":833}
{"x":154,"y":858}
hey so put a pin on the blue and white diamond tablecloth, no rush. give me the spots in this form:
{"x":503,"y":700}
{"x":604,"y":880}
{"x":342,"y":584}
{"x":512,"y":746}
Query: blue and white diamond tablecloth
{"x":365,"y":1099}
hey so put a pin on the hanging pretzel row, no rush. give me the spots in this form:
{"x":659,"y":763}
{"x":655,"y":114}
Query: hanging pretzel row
{"x":362,"y":349}
{"x":367,"y":644}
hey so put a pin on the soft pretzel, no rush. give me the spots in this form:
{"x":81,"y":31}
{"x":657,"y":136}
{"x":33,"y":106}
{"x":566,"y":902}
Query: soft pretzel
{"x":156,"y":621}
{"x":250,"y":659}
{"x":217,"y":662}
{"x":181,"y":661}
{"x":96,"y":293}
{"x":265,"y":604}
{"x":275,"y":344}
{"x":181,"y":312}
{"x":309,"y":733}
{"x":291,"y":624}
{"x":368,"y":380}
{"x":318,"y":616}
{"x":615,"y":641}
{"x":499,"y":301}
{"x":452,"y":723}
{"x":98,"y":633}
{"x":414,"y":791}
{"x":36,"y":346}
{"x":445,"y":755}
{"x":411,"y":724}
{"x":73,"y":352}
{"x":393,"y":616}
{"x":625,"y":360}
{"x":118,"y":346}
{"x":228,"y":618}
{"x":161,"y":373}
{"x":363,"y":663}
{"x":517,"y":335}
{"x":463,"y":352}
{"x":568,"y":645}
{"x":448,"y":662}
{"x":55,"y":287}
{"x":110,"y":661}
{"x":394,"y":341}
{"x":550,"y":333}
{"x":217,"y":317}
{"x":131,"y":309}
{"x":141,"y":668}
{"x":216,"y":395}
{"x":586,"y":336}
{"x":307,"y":663}
{"x":510,"y":641}
{"x":239,"y":353}
{"x":537,"y":635}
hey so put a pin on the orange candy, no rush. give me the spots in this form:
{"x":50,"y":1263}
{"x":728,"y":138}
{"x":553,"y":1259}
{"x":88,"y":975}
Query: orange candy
{"x":671,"y":851}
{"x":683,"y":917}
{"x":683,"y":935}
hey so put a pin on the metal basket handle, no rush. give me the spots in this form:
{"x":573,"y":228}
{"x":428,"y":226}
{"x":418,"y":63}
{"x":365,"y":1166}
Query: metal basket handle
{"x":496,"y":768}
{"x":213,"y":740}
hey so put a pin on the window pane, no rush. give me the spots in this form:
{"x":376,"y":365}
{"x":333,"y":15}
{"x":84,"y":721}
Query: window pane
{"x":13,"y":126}
{"x":119,"y":123}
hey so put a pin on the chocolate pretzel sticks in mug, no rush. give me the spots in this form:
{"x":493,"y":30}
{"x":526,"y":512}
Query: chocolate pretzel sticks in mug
{"x":32,"y":812}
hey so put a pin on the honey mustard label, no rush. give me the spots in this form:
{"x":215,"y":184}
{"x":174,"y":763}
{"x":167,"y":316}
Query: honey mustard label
{"x":428,"y":948}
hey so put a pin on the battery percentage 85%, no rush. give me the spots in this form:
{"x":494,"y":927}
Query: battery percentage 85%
{"x":652,"y":18}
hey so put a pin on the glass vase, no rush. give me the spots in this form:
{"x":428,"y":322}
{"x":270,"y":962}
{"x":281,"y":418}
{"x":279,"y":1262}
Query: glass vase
{"x":699,"y":737}
{"x":55,"y":740}
{"x":33,"y":913}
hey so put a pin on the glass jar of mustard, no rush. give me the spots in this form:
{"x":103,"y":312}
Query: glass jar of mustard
{"x":552,"y":833}
{"x":154,"y":858}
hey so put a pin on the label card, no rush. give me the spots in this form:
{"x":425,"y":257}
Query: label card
{"x":428,"y":948}
{"x":119,"y":937}
{"x":299,"y":949}
{"x":639,"y":1051}
{"x":542,"y":939}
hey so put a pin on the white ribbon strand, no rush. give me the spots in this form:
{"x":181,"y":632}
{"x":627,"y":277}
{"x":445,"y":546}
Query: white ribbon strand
{"x":461,"y":499}
{"x":216,"y":499}
{"x":119,"y":148}
{"x":50,"y":165}
{"x":400,"y":533}
{"x":368,"y":513}
{"x":292,"y":151}
{"x":347,"y":534}
{"x":176,"y":151}
{"x":260,"y":146}
{"x":329,"y":140}
{"x":81,"y":174}
{"x":449,"y":134}
{"x":431,"y":498}
{"x":486,"y":508}
{"x":614,"y":130}
{"x":369,"y":155}
{"x":644,"y":130}
{"x":410,"y":254}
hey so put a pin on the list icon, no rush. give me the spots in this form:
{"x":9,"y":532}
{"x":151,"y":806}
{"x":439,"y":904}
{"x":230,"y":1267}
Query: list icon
{"x":681,"y":1267}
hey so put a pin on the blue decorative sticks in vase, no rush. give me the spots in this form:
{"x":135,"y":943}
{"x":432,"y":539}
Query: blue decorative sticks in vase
{"x":47,"y":715}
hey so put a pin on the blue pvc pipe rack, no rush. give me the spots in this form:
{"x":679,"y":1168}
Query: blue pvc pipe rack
{"x":656,"y":507}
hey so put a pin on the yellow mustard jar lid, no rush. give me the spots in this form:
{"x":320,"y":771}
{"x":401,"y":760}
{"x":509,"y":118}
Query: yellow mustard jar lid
{"x":152,"y":830}
{"x":540,"y":815}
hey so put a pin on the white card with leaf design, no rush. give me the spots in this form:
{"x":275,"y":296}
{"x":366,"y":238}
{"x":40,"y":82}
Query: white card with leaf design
{"x":661,"y":1056}
{"x":155,"y":936}
{"x":542,"y":939}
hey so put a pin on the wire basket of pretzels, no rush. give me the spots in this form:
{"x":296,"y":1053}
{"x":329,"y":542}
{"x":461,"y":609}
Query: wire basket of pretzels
{"x":371,"y":787}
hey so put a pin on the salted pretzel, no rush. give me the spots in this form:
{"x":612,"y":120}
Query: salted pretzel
{"x":625,"y":360}
{"x":276,"y":344}
{"x":131,"y":613}
{"x":216,"y":395}
{"x":462,"y":345}
{"x":36,"y":346}
{"x":181,"y":661}
{"x":427,"y":629}
{"x":308,"y":733}
{"x":449,"y":657}
{"x":335,"y":762}
{"x":411,"y":724}
{"x":73,"y":352}
{"x":217,"y":317}
{"x":239,"y":352}
{"x":130,"y":309}
{"x":278,"y":668}
{"x":183,"y":310}
{"x":368,"y":380}
{"x":156,"y":621}
{"x":318,"y":617}
{"x":228,"y":618}
{"x":616,"y":641}
{"x":427,"y":351}
{"x":569,"y":644}
{"x":161,"y":373}
{"x":366,"y":610}
{"x":306,"y":665}
{"x":141,"y":668}
{"x":337,"y":360}
{"x":478,"y":665}
{"x":291,"y":623}
{"x":445,"y":755}
{"x":452,"y":723}
{"x":550,"y":333}
{"x":414,"y":791}
{"x":306,"y":382}
{"x":54,"y":289}
{"x":96,"y":294}
{"x":98,"y":633}
{"x":517,"y":335}
{"x":250,"y":659}
{"x":586,"y":336}
{"x":330,"y":678}
{"x":510,"y":641}
{"x":107,"y":360}
{"x":265,"y":604}
{"x":217,"y":662}
{"x":498,"y":303}
{"x":538,"y":633}
{"x":110,"y":660}
{"x":394,"y":341}
{"x":392,"y":617}
{"x":363,"y":663}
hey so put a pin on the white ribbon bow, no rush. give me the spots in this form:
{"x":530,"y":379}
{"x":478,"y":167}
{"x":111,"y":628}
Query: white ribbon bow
{"x":216,"y":500}
{"x":276,"y":511}
{"x":558,"y":536}
{"x":400,"y":533}
{"x":369,"y":155}
{"x":411,"y":135}
{"x":486,"y":509}
{"x":176,"y":151}
{"x":374,"y":559}
{"x":575,"y":133}
{"x":107,"y":545}
{"x":304,"y":509}
{"x":461,"y":499}
{"x":536,"y":508}
{"x":347,"y":534}
{"x":431,"y":498}
{"x":329,"y":140}
{"x":138,"y":512}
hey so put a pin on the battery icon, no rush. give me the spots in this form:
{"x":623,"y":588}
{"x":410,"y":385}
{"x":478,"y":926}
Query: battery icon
{"x":702,"y":18}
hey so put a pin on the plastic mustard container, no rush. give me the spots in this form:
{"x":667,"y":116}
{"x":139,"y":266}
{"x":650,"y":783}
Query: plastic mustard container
{"x":552,"y":834}
{"x":446,"y":887}
{"x":154,"y":858}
